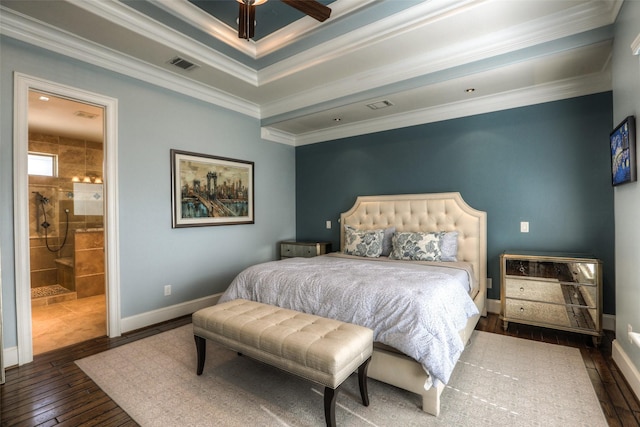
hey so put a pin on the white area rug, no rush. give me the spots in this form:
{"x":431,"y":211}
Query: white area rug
{"x":499,"y":381}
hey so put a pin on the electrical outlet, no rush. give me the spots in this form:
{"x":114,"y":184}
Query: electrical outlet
{"x":328,"y":224}
{"x":524,"y":226}
{"x":167,"y":290}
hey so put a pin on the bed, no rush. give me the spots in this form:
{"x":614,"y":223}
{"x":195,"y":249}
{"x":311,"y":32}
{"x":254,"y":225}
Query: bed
{"x":398,"y":364}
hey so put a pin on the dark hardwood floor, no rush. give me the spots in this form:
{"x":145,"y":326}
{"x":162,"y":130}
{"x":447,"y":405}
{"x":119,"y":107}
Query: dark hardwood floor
{"x":53,"y":391}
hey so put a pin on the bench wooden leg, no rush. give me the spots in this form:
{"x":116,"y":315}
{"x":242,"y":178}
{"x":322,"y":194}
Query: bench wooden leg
{"x":362,"y":381}
{"x":330,"y":395}
{"x":201,"y":348}
{"x":330,"y":406}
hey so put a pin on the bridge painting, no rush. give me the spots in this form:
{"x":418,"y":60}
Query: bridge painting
{"x":210,"y":190}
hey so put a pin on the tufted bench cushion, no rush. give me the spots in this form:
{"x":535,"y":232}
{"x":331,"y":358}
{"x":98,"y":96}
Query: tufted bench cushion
{"x":322,"y":350}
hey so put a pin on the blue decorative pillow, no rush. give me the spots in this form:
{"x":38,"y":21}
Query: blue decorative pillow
{"x":449,"y":246}
{"x":417,"y":246}
{"x":365,"y":243}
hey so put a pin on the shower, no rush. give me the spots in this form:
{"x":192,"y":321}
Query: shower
{"x":41,"y":202}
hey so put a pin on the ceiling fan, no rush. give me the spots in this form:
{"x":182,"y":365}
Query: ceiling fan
{"x":247,"y":14}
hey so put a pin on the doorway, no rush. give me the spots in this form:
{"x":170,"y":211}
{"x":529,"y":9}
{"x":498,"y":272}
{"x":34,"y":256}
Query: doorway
{"x":66,"y":221}
{"x":65,"y":216}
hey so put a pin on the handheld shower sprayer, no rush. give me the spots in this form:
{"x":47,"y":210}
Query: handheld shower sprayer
{"x":41,"y":201}
{"x":40,"y":198}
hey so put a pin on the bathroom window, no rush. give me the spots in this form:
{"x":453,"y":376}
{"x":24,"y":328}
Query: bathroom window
{"x":42,"y":164}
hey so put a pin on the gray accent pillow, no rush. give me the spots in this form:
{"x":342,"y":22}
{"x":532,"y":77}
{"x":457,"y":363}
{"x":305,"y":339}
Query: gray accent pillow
{"x":449,"y":246}
{"x":387,"y":243}
{"x":417,"y":246}
{"x":365,"y":243}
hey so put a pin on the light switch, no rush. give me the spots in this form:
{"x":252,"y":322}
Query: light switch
{"x":524,"y":226}
{"x":328,"y":224}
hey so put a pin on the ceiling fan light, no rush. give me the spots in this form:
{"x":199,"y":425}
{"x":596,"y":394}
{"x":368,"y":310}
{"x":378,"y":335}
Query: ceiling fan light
{"x":252,"y":2}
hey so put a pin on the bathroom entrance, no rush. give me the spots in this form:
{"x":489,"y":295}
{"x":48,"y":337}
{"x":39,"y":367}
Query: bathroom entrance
{"x":66,"y":221}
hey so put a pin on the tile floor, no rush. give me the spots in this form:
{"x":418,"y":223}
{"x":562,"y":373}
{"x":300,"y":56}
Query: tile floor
{"x":69,"y":322}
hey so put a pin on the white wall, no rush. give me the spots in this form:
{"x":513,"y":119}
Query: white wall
{"x":626,"y":102}
{"x":197,"y":262}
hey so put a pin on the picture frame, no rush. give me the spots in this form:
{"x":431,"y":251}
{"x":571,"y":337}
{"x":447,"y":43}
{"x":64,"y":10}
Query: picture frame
{"x":210,"y":190}
{"x":622,"y":142}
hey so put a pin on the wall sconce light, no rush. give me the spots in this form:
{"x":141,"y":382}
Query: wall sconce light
{"x":87,"y":179}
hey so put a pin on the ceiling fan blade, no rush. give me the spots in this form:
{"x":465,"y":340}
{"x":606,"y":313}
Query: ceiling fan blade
{"x":246,"y":21}
{"x":312,"y":8}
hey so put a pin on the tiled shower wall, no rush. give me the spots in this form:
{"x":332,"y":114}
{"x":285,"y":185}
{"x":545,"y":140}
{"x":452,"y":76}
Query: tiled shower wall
{"x":76,"y":157}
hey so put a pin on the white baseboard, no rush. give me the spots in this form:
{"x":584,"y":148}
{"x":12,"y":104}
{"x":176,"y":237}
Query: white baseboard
{"x":626,"y":366}
{"x":160,"y":315}
{"x":493,"y":306}
{"x":608,"y":320}
{"x":10,"y":357}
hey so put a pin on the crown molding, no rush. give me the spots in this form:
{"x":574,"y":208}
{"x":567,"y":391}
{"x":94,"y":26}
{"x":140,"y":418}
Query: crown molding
{"x":275,"y":135}
{"x":351,"y":42}
{"x":509,"y":40}
{"x":47,"y":37}
{"x":293,"y":32}
{"x":201,"y":20}
{"x":124,"y":16}
{"x":272,"y":43}
{"x":564,"y":89}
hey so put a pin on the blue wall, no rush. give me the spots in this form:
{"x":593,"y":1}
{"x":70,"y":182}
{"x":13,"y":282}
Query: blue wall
{"x":547,"y":164}
{"x":197,"y":262}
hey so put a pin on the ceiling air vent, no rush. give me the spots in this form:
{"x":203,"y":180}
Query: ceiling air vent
{"x":380,"y":104}
{"x":183,"y":63}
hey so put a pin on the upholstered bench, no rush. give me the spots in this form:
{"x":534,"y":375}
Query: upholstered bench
{"x":322,"y":350}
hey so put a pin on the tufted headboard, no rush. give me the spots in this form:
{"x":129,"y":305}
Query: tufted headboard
{"x":425,"y":213}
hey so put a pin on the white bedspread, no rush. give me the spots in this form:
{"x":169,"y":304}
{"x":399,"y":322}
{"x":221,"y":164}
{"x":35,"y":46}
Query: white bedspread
{"x":411,"y":307}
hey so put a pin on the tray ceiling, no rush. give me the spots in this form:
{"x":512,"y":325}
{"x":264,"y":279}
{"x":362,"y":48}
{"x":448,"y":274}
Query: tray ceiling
{"x":308,"y":82}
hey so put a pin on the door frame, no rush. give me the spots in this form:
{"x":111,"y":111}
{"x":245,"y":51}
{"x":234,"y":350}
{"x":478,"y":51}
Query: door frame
{"x":22,"y":85}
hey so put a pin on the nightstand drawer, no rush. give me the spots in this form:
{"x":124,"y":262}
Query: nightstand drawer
{"x":552,"y":314}
{"x":292,"y":250}
{"x":303,"y":249}
{"x":565,"y":316}
{"x":534,"y":290}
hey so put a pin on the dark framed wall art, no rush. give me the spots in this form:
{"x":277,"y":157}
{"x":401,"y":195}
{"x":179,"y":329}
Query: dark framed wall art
{"x":210,"y":190}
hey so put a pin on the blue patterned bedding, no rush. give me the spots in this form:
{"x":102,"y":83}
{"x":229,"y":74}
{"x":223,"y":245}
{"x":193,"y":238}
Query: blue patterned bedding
{"x":413,"y":307}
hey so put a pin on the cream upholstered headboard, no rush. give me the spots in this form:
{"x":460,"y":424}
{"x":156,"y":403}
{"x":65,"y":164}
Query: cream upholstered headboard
{"x":425,"y":213}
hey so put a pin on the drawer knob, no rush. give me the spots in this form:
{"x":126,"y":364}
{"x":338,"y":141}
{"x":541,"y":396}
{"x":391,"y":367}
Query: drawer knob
{"x":521,"y":309}
{"x":521,"y":289}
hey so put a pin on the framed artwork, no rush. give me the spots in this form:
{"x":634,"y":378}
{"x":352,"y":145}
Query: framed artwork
{"x":210,"y":190}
